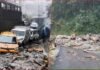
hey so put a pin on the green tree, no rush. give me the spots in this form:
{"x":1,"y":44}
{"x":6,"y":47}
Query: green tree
{"x":80,"y":16}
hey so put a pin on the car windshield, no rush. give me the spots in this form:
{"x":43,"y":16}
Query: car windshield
{"x":19,"y":33}
{"x":6,"y":39}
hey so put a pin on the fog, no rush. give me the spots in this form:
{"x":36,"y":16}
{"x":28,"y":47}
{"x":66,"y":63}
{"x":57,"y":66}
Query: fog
{"x":36,"y":8}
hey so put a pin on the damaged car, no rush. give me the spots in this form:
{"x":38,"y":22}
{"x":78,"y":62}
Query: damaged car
{"x":8,"y":43}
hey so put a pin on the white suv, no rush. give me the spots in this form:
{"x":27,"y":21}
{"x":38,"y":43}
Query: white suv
{"x":22,"y":33}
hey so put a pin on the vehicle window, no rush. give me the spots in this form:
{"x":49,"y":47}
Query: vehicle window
{"x":3,"y":5}
{"x":8,"y":7}
{"x":6,"y":39}
{"x":19,"y":33}
{"x":18,"y":9}
{"x":14,"y":40}
{"x":14,"y":8}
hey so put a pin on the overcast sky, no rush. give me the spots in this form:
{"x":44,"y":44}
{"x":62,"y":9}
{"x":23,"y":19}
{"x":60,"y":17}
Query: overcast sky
{"x":36,"y":8}
{"x":38,"y":1}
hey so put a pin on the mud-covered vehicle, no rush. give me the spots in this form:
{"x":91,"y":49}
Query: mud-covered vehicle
{"x":22,"y":33}
{"x":8,"y":43}
{"x":34,"y":28}
{"x":40,"y":31}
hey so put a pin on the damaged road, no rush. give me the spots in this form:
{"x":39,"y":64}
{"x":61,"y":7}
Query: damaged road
{"x":78,"y":52}
{"x":33,"y":58}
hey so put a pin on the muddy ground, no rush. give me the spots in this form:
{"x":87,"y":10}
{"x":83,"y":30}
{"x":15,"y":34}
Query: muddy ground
{"x":32,"y":58}
{"x":65,"y":52}
{"x":77,"y":52}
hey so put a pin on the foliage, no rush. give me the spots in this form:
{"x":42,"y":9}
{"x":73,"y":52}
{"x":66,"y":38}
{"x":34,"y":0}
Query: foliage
{"x":76,"y":17}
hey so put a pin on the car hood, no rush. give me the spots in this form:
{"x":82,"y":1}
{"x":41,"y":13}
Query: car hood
{"x":20,"y":37}
{"x":8,"y":46}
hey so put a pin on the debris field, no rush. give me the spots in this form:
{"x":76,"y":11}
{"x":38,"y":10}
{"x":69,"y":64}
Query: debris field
{"x":89,"y":42}
{"x":32,"y":58}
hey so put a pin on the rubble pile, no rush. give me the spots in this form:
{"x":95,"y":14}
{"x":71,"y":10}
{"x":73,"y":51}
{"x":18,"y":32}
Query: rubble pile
{"x":89,"y":42}
{"x":31,"y":59}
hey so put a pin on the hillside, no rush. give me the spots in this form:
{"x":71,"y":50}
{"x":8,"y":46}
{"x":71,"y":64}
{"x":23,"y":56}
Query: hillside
{"x":76,"y":16}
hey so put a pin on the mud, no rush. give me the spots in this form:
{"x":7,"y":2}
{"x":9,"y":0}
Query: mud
{"x":25,"y":60}
{"x":77,"y":52}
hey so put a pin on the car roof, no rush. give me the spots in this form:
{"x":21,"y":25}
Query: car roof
{"x":6,"y":33}
{"x":20,"y":28}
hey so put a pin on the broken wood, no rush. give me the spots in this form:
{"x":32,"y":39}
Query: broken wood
{"x":35,"y":49}
{"x":8,"y":51}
